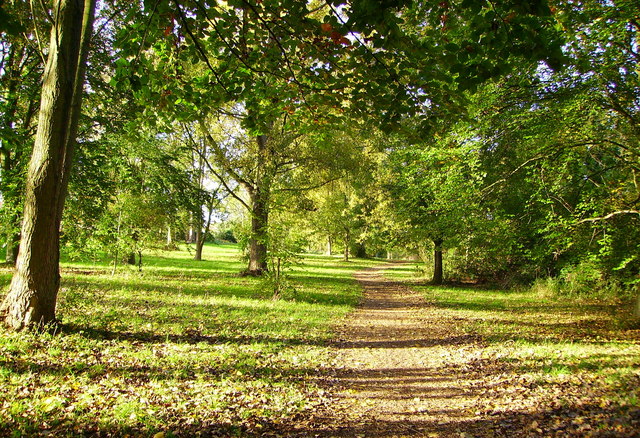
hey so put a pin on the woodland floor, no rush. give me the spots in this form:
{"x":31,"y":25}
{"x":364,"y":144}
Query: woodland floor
{"x":405,"y":367}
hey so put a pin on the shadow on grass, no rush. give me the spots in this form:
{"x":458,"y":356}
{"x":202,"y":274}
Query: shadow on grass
{"x":548,"y":422}
{"x":192,"y":337}
{"x":96,"y":366}
{"x":314,"y":290}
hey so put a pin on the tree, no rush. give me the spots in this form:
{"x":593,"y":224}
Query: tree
{"x":557,"y":157}
{"x":296,"y":64}
{"x":20,"y":72}
{"x":31,"y":300}
{"x":205,"y":188}
{"x":289,"y":65}
{"x":433,"y":190}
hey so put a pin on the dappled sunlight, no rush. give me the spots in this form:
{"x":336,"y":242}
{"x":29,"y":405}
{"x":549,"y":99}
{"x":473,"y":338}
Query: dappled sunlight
{"x":452,"y":362}
{"x":175,"y":347}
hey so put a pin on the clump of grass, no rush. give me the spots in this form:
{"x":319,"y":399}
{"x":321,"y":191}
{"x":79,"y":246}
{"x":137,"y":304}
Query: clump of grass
{"x":181,"y":348}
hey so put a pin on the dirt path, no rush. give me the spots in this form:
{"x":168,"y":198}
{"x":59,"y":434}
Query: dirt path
{"x":405,"y":368}
{"x":399,"y":368}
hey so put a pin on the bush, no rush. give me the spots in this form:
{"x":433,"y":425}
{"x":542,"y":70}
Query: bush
{"x":584,"y":280}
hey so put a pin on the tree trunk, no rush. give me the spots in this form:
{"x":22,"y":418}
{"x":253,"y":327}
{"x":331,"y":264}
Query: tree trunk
{"x":260,"y":194}
{"x":259,"y":233}
{"x":329,"y":245}
{"x":437,"y":262}
{"x":347,"y":242}
{"x":199,"y":244}
{"x":31,"y":300}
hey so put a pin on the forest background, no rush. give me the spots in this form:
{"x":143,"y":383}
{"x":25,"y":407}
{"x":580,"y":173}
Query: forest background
{"x":503,"y":135}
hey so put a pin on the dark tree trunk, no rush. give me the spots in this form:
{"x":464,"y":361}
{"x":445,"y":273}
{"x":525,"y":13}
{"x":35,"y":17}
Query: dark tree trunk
{"x":260,"y":194}
{"x":347,"y":242}
{"x":437,"y":262}
{"x":31,"y":300}
{"x":259,"y":233}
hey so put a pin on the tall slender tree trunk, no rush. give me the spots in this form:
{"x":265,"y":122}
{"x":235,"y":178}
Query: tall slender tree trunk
{"x":329,"y":245}
{"x":31,"y":300}
{"x":259,"y":233}
{"x":347,"y":242}
{"x":437,"y":261}
{"x":199,"y":244}
{"x":260,"y":194}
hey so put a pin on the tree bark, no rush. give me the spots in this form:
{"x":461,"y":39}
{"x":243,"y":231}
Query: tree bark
{"x":260,"y":194}
{"x":437,"y":262}
{"x":199,"y":244}
{"x":347,"y":242}
{"x":259,"y":233}
{"x":170,"y":244}
{"x":31,"y":301}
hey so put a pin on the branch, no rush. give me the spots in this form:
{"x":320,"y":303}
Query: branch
{"x":227,"y":168}
{"x":609,"y":216}
{"x":303,"y":189}
{"x":223,"y":181}
{"x":488,"y":190}
{"x":221,"y":157}
{"x":205,"y":58}
{"x":240,"y":57}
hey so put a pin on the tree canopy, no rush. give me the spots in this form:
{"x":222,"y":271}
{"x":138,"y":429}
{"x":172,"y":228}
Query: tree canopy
{"x":503,"y":134}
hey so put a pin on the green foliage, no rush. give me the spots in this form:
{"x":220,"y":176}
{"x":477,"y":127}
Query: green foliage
{"x":285,"y":248}
{"x":225,"y":236}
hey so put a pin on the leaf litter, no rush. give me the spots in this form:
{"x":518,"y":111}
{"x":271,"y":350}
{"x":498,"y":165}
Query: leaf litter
{"x":402,"y":366}
{"x":399,"y":365}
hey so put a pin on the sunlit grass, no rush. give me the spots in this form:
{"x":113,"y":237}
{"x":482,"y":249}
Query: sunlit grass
{"x":586,"y":346}
{"x":181,"y":347}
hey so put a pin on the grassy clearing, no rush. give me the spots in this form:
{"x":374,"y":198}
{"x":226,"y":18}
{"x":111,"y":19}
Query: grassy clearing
{"x":182,"y":348}
{"x":571,"y":364}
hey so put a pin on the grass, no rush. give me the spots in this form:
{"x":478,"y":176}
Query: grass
{"x":586,"y":350}
{"x":182,"y":348}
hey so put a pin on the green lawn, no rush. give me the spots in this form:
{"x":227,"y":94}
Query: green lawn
{"x":180,"y":348}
